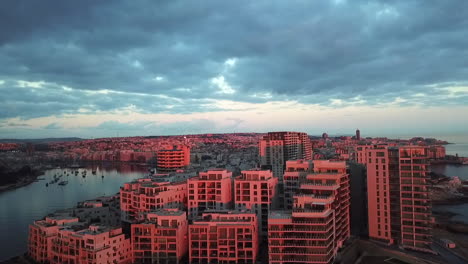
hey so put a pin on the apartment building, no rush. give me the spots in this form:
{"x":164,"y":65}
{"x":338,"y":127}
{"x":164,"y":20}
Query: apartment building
{"x":224,"y":237}
{"x":296,"y":172}
{"x":161,"y":237}
{"x":318,"y":224}
{"x":211,"y":190}
{"x":399,"y":205}
{"x":256,"y":190}
{"x":172,"y":158}
{"x":149,"y":194}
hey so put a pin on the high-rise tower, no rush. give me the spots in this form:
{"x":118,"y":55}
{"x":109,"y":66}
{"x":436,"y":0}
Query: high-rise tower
{"x":398,"y":197}
{"x":318,"y":224}
{"x":278,"y":147}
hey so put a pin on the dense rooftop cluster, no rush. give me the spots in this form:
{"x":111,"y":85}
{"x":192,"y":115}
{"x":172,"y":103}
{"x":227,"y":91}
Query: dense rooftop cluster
{"x":289,"y":205}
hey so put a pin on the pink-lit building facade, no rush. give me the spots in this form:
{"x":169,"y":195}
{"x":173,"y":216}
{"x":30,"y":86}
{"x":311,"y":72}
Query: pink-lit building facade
{"x":436,"y":152}
{"x":361,"y":153}
{"x":149,"y":194}
{"x":92,"y":245}
{"x":210,"y":190}
{"x":361,"y":150}
{"x":256,"y":191}
{"x":41,"y":234}
{"x":276,"y":148}
{"x":296,"y":172}
{"x":399,"y":207}
{"x":173,"y":158}
{"x":224,"y":237}
{"x":9,"y":146}
{"x":318,"y":224}
{"x":161,"y":237}
{"x":65,"y":240}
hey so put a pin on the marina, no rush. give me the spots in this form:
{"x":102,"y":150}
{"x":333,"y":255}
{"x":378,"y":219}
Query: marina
{"x":58,"y":189}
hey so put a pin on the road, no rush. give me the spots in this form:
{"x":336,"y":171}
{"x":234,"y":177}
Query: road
{"x":448,"y":255}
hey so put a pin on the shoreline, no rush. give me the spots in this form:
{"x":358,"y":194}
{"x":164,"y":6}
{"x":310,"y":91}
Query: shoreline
{"x":83,"y":163}
{"x":451,"y":201}
{"x":444,"y":220}
{"x":25,"y":181}
{"x":447,"y":162}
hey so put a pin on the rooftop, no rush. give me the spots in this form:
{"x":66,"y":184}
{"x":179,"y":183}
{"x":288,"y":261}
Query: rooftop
{"x":166,"y":212}
{"x":280,"y":214}
{"x":96,"y":230}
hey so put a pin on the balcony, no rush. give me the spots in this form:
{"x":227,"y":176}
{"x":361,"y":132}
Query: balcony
{"x":304,"y":236}
{"x":303,"y":251}
{"x":307,"y":229}
{"x":299,"y":212}
{"x":302,"y":259}
{"x":314,"y":186}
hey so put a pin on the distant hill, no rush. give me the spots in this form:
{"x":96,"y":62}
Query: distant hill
{"x":40,"y":140}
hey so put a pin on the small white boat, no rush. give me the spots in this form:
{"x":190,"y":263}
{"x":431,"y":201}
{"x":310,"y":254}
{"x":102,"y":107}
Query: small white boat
{"x":63,"y":183}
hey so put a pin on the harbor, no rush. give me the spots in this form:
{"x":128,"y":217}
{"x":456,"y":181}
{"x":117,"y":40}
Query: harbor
{"x":58,"y":188}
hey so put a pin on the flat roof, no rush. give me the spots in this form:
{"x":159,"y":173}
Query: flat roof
{"x":280,"y":214}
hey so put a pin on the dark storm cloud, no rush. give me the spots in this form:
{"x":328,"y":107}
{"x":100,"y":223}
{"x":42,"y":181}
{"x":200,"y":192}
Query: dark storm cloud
{"x":162,"y":56}
{"x":26,"y":101}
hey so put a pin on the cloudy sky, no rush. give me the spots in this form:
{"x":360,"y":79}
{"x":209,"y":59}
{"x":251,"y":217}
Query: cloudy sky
{"x":121,"y":68}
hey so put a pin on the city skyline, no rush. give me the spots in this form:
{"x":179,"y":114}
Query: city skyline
{"x":105,"y":69}
{"x":273,"y":198}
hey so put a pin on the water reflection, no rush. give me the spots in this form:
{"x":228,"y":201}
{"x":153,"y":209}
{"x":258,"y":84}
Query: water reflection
{"x":20,"y":207}
{"x":451,"y":170}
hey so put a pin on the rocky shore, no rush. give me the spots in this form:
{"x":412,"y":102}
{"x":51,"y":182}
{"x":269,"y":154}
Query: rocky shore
{"x":444,"y":221}
{"x":451,"y":201}
{"x":448,"y":191}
